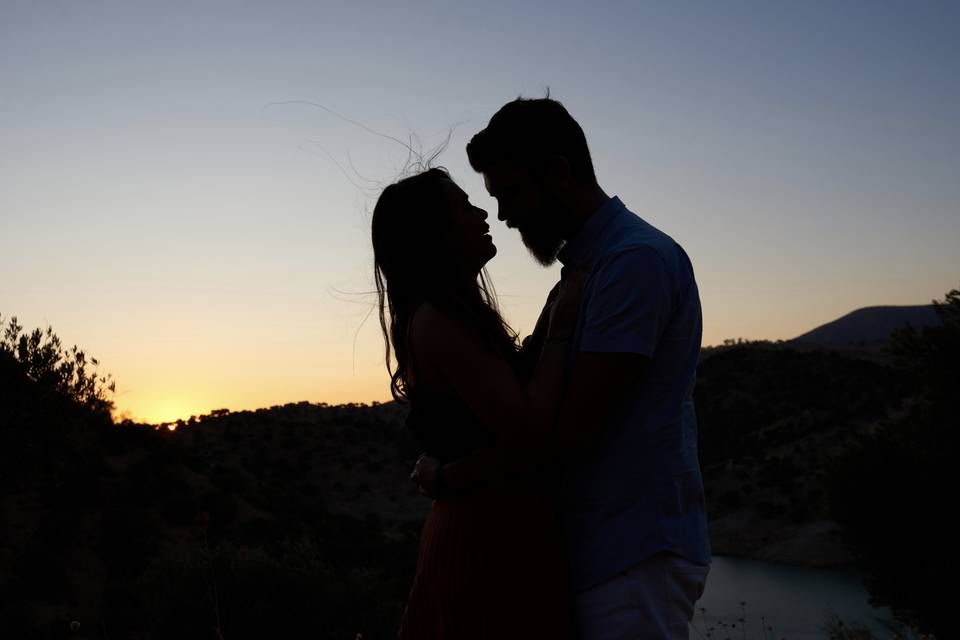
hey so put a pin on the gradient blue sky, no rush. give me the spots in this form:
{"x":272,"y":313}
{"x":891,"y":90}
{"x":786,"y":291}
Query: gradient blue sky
{"x":211,"y":247}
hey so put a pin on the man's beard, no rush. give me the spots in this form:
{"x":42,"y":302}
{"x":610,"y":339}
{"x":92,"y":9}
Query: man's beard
{"x":540,"y":234}
{"x":542,"y":244}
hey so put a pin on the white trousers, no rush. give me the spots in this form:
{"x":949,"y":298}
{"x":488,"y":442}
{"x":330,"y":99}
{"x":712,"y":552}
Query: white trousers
{"x":653,"y":600}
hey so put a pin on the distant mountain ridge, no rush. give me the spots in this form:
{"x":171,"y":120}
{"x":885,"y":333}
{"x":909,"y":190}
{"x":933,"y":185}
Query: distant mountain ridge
{"x":869,"y":326}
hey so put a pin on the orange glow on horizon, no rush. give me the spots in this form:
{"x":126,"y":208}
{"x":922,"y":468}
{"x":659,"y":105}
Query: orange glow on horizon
{"x":166,"y":413}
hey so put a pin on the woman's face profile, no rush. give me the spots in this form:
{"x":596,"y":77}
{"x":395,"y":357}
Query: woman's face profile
{"x":468,"y":240}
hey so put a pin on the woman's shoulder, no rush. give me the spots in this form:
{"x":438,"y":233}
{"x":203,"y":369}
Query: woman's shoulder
{"x":424,"y":315}
{"x":433,"y":335}
{"x":445,"y":339}
{"x":431,"y":325}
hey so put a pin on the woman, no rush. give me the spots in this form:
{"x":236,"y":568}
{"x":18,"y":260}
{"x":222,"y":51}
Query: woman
{"x":491,"y":562}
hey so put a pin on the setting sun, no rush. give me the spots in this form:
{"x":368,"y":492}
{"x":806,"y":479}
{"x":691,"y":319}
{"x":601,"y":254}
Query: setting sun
{"x":166,"y":412}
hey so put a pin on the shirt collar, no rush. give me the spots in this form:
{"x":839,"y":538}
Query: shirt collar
{"x":581,"y":248}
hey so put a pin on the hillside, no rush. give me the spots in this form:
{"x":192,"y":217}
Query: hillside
{"x":298,"y":518}
{"x":867,"y":327}
{"x":772,"y":419}
{"x":115,"y":523}
{"x":295,"y":521}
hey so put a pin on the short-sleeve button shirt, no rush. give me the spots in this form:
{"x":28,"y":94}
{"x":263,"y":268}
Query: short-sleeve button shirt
{"x":638,"y":491}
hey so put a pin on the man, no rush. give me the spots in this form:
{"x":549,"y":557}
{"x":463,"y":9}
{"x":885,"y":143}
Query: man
{"x":632,"y":495}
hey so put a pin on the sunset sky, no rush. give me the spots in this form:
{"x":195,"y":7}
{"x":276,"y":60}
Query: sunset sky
{"x":179,"y":197}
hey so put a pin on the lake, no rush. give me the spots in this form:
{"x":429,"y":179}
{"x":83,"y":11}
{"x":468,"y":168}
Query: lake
{"x":795,"y":601}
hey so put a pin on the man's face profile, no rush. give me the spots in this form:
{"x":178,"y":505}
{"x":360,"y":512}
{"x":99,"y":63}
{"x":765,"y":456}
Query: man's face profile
{"x":525,"y":204}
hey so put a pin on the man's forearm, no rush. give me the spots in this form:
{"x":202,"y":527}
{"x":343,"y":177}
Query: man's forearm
{"x":494,"y":464}
{"x":596,"y":394}
{"x":498,"y":463}
{"x":480,"y":467}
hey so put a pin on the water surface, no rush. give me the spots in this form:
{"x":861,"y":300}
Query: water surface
{"x":795,"y":601}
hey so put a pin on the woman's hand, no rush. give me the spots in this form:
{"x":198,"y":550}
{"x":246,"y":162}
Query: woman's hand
{"x":424,"y":475}
{"x":566,"y":307}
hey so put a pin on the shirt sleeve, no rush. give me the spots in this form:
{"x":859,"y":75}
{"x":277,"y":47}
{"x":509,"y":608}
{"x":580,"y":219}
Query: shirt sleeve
{"x":628,"y":305}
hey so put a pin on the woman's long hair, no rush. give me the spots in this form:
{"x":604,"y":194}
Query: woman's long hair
{"x":412,"y":266}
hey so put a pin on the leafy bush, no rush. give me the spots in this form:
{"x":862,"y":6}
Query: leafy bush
{"x":46,"y":362}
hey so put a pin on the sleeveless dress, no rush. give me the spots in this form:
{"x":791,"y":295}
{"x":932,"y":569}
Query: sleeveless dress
{"x":491,"y":562}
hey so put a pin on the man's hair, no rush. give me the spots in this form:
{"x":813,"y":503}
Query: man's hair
{"x":528,"y":131}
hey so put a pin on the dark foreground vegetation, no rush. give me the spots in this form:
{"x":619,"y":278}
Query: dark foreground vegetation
{"x":895,"y":493}
{"x":299,"y":521}
{"x":239,"y":525}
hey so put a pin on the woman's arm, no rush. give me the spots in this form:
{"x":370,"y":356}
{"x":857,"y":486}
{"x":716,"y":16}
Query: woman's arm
{"x":517,"y":414}
{"x":599,"y":385}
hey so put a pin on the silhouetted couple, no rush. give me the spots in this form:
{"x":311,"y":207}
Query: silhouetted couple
{"x":568,"y":500}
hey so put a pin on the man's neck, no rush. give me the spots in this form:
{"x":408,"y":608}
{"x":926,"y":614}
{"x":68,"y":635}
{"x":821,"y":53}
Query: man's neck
{"x":585,"y":202}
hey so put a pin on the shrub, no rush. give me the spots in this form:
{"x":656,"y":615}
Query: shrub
{"x":43,"y":358}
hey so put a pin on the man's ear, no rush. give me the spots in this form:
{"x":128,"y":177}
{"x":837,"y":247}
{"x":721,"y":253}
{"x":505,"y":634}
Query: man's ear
{"x":558,"y":172}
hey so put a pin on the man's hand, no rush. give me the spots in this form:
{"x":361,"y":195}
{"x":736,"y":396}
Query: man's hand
{"x":424,"y":475}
